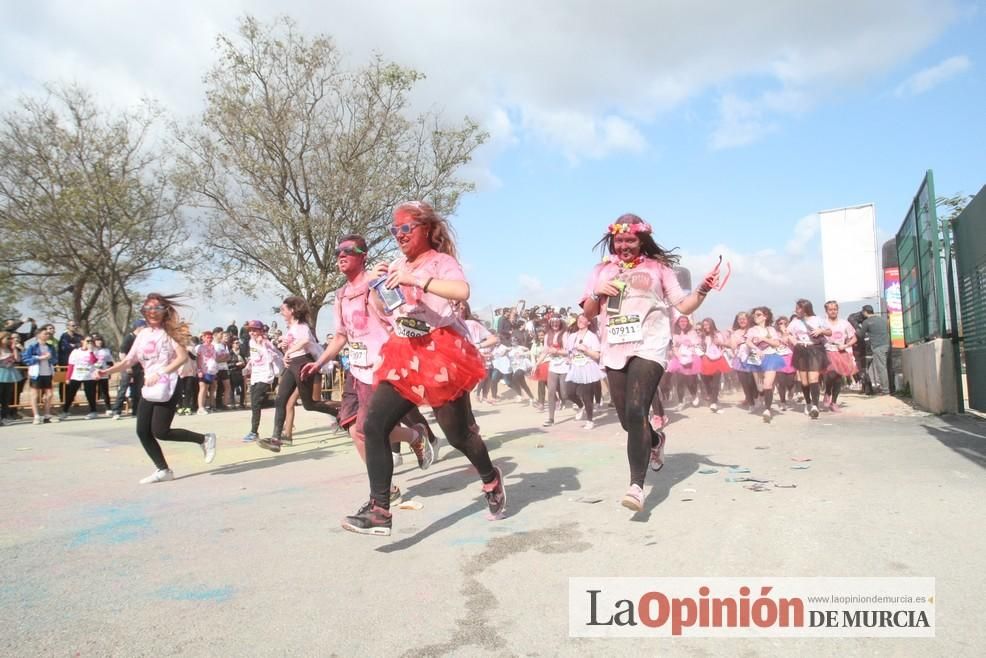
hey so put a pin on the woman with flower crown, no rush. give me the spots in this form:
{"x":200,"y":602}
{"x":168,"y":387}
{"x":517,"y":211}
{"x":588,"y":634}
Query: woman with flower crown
{"x":633,"y":291}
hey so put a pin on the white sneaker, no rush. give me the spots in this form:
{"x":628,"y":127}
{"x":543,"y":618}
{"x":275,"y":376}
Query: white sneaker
{"x":398,"y":459}
{"x":53,"y":419}
{"x":589,"y":425}
{"x":63,"y":415}
{"x":697,"y":401}
{"x":580,"y":414}
{"x":201,"y":412}
{"x":162,"y":475}
{"x":109,"y":412}
{"x":116,"y":416}
{"x":434,"y":448}
{"x":209,"y":447}
{"x":38,"y":420}
{"x":92,"y":415}
{"x":4,"y":422}
{"x":714,"y":408}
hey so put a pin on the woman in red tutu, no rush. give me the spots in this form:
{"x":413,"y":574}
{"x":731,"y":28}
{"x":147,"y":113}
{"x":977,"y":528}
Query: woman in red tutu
{"x":429,"y":359}
{"x":838,"y":349}
{"x":713,"y":360}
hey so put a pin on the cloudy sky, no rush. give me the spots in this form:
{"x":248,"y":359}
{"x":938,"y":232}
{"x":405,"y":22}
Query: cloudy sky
{"x":727,"y":125}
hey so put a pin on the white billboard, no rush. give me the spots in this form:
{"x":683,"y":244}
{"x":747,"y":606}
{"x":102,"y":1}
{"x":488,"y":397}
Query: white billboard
{"x":850,"y":257}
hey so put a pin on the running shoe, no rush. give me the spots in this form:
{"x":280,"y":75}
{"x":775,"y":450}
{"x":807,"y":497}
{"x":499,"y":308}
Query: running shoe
{"x":813,"y":412}
{"x":714,"y":408}
{"x":395,"y":494}
{"x":398,"y":459}
{"x":63,"y":416}
{"x":251,"y":436}
{"x":53,"y":419}
{"x":633,"y":499}
{"x":201,"y":412}
{"x":371,"y":519}
{"x":272,"y":444}
{"x":37,"y":420}
{"x":160,"y":475}
{"x":209,"y":447}
{"x":826,"y":402}
{"x":421,"y":447}
{"x":92,"y":415}
{"x":116,"y":416}
{"x":589,"y":425}
{"x":287,"y":441}
{"x":697,"y":401}
{"x":109,"y":412}
{"x":496,"y":496}
{"x":657,"y":453}
{"x":766,"y":415}
{"x":434,"y":448}
{"x":834,"y":408}
{"x":548,"y":423}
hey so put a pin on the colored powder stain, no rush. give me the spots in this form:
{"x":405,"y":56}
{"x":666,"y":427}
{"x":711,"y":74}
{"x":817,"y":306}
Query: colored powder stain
{"x":123,"y":526}
{"x":199,"y":594}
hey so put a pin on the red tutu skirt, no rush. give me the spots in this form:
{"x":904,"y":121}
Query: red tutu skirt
{"x":433,"y":369}
{"x":710,"y":367}
{"x":541,"y":373}
{"x":842,"y":363}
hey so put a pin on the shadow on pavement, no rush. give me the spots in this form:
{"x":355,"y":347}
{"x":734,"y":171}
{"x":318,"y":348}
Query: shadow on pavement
{"x":522,"y":490}
{"x":965,"y":435}
{"x":677,"y":468}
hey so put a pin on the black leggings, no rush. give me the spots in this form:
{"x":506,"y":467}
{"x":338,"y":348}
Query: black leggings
{"x":88,"y":386}
{"x":711,"y":385}
{"x":6,"y":397}
{"x":686,"y":381}
{"x":584,"y":395}
{"x":387,"y":407}
{"x":749,"y":385}
{"x":785,"y":385}
{"x":290,"y":380}
{"x":518,"y":382}
{"x":154,"y":424}
{"x":258,"y":391}
{"x":189,"y":392}
{"x":633,"y":388}
{"x":103,"y":390}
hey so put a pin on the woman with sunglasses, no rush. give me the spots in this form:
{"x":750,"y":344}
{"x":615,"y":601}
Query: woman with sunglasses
{"x":81,"y":364}
{"x":160,"y":349}
{"x":300,"y":347}
{"x":633,"y":291}
{"x":429,"y":359}
{"x":762,"y":342}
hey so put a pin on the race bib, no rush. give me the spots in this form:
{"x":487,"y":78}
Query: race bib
{"x":624,"y":329}
{"x":558,"y":361}
{"x":358,"y":356}
{"x":580,"y":360}
{"x":411,"y":328}
{"x":82,"y":371}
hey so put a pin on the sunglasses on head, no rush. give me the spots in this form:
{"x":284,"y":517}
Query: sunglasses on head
{"x":404,"y":229}
{"x":349,"y":251}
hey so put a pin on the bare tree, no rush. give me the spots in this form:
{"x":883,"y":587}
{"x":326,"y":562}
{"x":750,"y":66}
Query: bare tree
{"x":294,"y":151}
{"x":87,"y":207}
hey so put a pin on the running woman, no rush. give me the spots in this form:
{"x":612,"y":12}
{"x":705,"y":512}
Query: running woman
{"x":764,"y":361}
{"x":207,"y":368}
{"x":785,"y":379}
{"x":714,"y":363}
{"x":838,"y":349}
{"x":685,"y":361}
{"x":429,"y":359}
{"x":300,"y":348}
{"x":808,"y":332}
{"x":582,"y":345}
{"x":741,"y":323}
{"x":361,"y":326}
{"x":557,"y":356}
{"x":633,"y":292}
{"x":160,"y":349}
{"x":265,"y":363}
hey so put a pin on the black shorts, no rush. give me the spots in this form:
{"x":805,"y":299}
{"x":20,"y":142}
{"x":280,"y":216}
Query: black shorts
{"x":42,"y":382}
{"x":350,"y":402}
{"x":809,"y":358}
{"x":223,"y":375}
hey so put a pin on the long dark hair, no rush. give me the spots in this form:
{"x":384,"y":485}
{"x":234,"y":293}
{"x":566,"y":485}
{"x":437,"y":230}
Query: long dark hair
{"x":676,"y":329}
{"x":805,"y":306}
{"x":712,"y":323}
{"x":768,"y":315}
{"x":648,"y":246}
{"x":574,"y":327}
{"x":299,"y":309}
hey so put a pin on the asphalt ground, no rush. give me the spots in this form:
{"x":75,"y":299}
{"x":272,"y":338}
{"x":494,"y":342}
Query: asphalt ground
{"x":245,"y":556}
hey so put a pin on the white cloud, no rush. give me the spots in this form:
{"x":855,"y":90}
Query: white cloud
{"x":805,"y":231}
{"x":585,"y":77}
{"x":927,"y":79}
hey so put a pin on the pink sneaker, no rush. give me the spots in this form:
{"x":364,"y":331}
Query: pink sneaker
{"x":633,"y":499}
{"x":657,"y":454}
{"x":834,"y":408}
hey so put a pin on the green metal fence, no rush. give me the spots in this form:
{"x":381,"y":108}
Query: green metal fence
{"x":921,"y":280}
{"x":970,"y":255}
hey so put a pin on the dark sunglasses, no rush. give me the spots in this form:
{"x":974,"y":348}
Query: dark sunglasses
{"x":156,"y":307}
{"x":349,"y":251}
{"x":404,"y":229}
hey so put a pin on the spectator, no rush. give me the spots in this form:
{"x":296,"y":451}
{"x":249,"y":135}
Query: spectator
{"x":104,"y":359}
{"x":80,"y":373}
{"x":12,"y":326}
{"x":40,"y":357}
{"x":10,"y":356}
{"x":875,"y":331}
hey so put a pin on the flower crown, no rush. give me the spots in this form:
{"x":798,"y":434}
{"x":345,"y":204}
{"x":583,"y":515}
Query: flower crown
{"x":640,"y":227}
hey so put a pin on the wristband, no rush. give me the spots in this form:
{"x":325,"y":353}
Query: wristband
{"x":427,"y":283}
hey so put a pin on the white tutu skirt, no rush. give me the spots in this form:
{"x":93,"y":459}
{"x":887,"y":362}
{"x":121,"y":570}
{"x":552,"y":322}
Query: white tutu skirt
{"x":589,"y":373}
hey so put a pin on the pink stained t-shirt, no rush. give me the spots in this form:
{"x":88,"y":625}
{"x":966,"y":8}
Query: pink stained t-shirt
{"x":759,"y":336}
{"x":800,"y":330}
{"x":427,"y":307}
{"x":152,"y":347}
{"x":652,"y":289}
{"x":364,"y":328}
{"x":842,"y":332}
